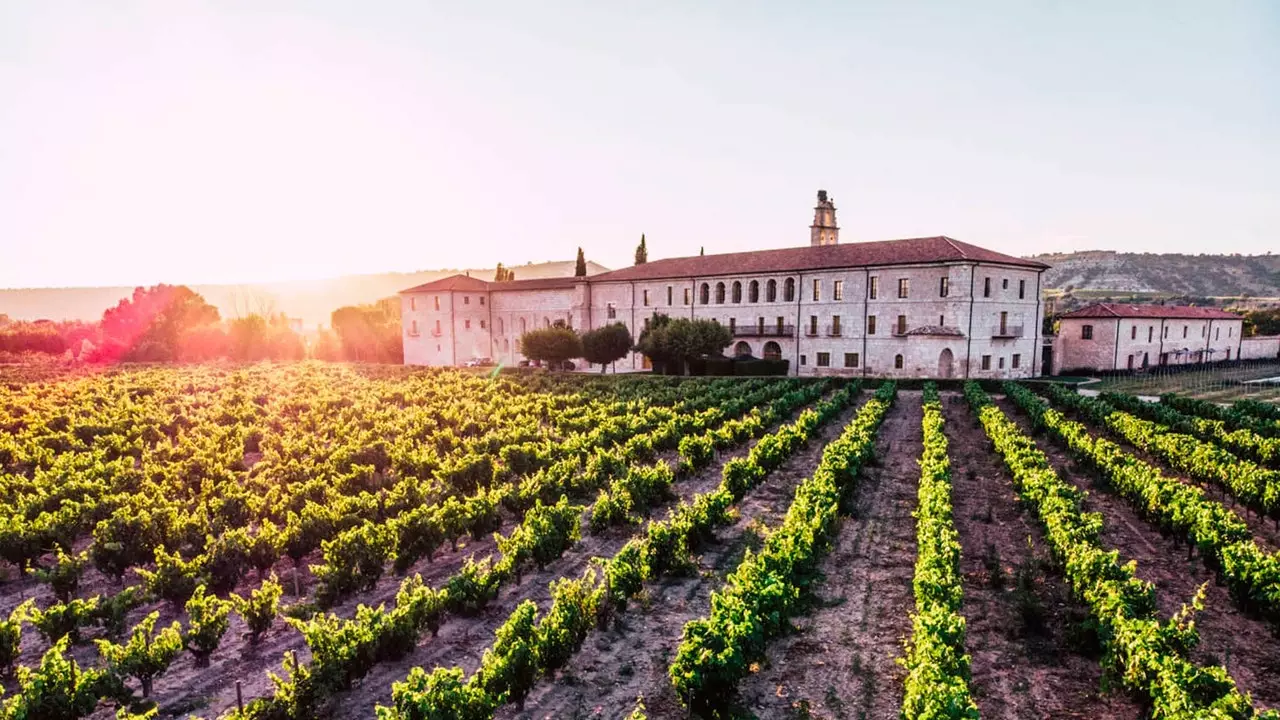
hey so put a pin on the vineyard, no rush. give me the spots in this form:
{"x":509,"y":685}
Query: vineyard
{"x":313,"y":541}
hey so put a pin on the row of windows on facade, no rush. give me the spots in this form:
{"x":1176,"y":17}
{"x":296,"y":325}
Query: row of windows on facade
{"x":851,"y":360}
{"x":466,"y":325}
{"x":1199,"y":356}
{"x":435,"y":299}
{"x":835,"y":329}
{"x":1086,"y":332}
{"x":734,"y":291}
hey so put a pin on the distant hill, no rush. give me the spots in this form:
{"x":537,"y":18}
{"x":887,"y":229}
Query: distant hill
{"x":1163,"y":274}
{"x":310,"y":300}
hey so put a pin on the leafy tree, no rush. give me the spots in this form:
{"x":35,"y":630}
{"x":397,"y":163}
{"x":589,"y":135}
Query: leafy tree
{"x":261,"y":607}
{"x":146,"y":655}
{"x":207,"y":623}
{"x":370,"y":333}
{"x":702,"y":251}
{"x":504,"y":274}
{"x":672,"y":343}
{"x":580,"y":267}
{"x":642,"y":252}
{"x":153,"y":324}
{"x":1262,"y":322}
{"x":553,"y":345}
{"x":607,"y":344}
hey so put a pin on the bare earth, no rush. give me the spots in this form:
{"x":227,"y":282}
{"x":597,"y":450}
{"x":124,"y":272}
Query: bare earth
{"x":614,"y":667}
{"x":1020,"y":669}
{"x":1246,"y":646}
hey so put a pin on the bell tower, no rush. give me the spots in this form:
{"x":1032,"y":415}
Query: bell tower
{"x":823,"y":231}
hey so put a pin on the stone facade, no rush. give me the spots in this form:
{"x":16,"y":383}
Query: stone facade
{"x":1137,"y":342}
{"x":925,"y":307}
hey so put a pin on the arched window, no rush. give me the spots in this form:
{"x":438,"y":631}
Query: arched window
{"x":524,"y":325}
{"x":742,"y":348}
{"x":501,"y":326}
{"x":772,"y":350}
{"x":719,"y":293}
{"x":704,"y":296}
{"x":771,"y":291}
{"x":506,"y":344}
{"x":753,"y":291}
{"x":737,"y":292}
{"x":789,"y":290}
{"x":897,"y":362}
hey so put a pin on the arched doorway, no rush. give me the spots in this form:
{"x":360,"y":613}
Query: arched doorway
{"x":945,"y":361}
{"x":772,"y":351}
{"x":742,"y":348}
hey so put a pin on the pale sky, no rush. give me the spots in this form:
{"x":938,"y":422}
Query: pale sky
{"x":236,"y":141}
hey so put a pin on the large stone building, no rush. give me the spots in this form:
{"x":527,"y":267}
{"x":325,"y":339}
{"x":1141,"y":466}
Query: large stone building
{"x":922,"y":307}
{"x":1113,"y":336}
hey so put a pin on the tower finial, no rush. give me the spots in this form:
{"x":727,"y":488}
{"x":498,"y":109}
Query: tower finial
{"x":824,"y":231}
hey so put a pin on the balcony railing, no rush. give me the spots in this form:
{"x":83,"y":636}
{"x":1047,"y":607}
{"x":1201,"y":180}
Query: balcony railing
{"x":766,"y":331}
{"x":835,"y":331}
{"x":1006,"y":331}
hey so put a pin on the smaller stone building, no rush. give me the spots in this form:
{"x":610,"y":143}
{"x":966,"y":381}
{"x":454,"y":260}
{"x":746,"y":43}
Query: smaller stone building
{"x":1112,"y":336}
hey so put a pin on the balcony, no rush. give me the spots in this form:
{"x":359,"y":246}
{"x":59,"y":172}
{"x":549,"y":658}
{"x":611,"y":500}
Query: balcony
{"x":1006,"y":332}
{"x":835,"y":331}
{"x":766,"y":331}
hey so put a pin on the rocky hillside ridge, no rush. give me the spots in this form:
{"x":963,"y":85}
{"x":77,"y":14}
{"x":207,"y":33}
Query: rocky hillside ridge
{"x":1171,"y":274}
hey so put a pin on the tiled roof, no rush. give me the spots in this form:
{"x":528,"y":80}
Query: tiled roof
{"x":453,"y":282}
{"x":464,"y":283}
{"x":884,"y":252}
{"x":1182,"y":312}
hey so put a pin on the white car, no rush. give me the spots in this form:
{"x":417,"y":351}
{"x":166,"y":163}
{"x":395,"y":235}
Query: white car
{"x":479,"y":362}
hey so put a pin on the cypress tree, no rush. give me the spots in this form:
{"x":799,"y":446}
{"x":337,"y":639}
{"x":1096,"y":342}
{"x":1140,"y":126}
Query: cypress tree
{"x":642,"y":252}
{"x":580,"y":269}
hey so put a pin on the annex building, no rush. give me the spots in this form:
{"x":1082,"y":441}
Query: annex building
{"x":1115,"y":336}
{"x":920,"y":307}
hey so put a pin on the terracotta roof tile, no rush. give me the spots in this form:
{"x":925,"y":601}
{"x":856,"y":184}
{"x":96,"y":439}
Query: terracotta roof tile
{"x":884,"y":252}
{"x":1120,"y":310}
{"x":453,"y":282}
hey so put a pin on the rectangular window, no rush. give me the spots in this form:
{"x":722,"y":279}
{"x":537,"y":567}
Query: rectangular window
{"x":851,"y":360}
{"x":835,"y":325}
{"x":466,"y":299}
{"x":804,"y":359}
{"x":902,"y":324}
{"x":733,"y":325}
{"x":1001,"y":362}
{"x":482,"y":325}
{"x":873,"y":287}
{"x":1022,"y":291}
{"x":986,"y":362}
{"x":610,"y":311}
{"x":413,"y":328}
{"x":1202,"y":330}
{"x":466,"y":324}
{"x":437,"y":327}
{"x":903,"y":287}
{"x":1004,"y":284}
{"x":942,"y":322}
{"x":760,"y":327}
{"x":1017,"y":360}
{"x":1230,"y":330}
{"x":1184,"y":331}
{"x":413,"y":303}
{"x":986,"y":287}
{"x":481,"y":299}
{"x":670,"y":291}
{"x":1217,"y":333}
{"x":1133,"y":333}
{"x":437,"y":298}
{"x":1086,"y":332}
{"x":813,"y":324}
{"x":781,"y":325}
{"x":688,"y":295}
{"x":817,"y":290}
{"x":1150,"y":329}
{"x":1164,"y":333}
{"x":644,"y":294}
{"x":1004,"y":322}
{"x":837,"y":290}
{"x":824,"y":359}
{"x":944,"y":287}
{"x":871,"y":324}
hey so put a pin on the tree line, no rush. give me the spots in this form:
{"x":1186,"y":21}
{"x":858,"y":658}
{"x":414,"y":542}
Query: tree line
{"x":670,"y":344}
{"x":172,"y":323}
